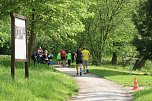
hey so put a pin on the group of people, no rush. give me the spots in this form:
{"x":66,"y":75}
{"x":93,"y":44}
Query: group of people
{"x":81,"y":58}
{"x":64,"y":57}
{"x":42,"y":56}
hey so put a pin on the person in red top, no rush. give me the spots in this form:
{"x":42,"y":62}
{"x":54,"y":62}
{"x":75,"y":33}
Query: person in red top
{"x":63,"y":57}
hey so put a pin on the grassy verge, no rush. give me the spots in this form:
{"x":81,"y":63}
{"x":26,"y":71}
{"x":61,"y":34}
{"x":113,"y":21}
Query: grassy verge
{"x":44,"y":84}
{"x":143,"y":95}
{"x":123,"y":77}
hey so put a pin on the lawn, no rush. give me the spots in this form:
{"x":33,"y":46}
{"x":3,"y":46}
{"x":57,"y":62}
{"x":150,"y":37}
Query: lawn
{"x":124,"y":78}
{"x":44,"y":83}
{"x":143,"y":95}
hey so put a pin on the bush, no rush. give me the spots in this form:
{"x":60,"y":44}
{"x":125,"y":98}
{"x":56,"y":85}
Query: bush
{"x":4,"y":43}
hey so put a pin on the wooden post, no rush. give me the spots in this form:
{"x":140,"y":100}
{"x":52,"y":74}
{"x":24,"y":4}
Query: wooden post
{"x":27,"y":54}
{"x":26,"y":70}
{"x":12,"y":46}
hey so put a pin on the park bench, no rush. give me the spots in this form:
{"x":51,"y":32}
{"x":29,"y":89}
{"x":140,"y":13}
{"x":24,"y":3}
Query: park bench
{"x":129,"y":60}
{"x":136,"y":63}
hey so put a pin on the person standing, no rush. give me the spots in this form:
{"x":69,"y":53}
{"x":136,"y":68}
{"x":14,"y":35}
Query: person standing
{"x":72,"y":55}
{"x":78,"y":56}
{"x":69,"y":58}
{"x":114,"y":58}
{"x":58,"y":58}
{"x":85,"y":59}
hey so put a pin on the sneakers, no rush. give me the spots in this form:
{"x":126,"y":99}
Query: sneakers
{"x":80,"y":73}
{"x":87,"y":71}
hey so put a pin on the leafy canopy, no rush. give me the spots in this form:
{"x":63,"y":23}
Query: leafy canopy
{"x":142,"y":19}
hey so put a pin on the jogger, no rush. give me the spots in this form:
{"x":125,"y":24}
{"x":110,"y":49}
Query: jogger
{"x":85,"y":59}
{"x":79,"y":61}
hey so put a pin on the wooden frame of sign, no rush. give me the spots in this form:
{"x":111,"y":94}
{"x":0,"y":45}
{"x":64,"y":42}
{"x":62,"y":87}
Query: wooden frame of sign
{"x":19,"y":46}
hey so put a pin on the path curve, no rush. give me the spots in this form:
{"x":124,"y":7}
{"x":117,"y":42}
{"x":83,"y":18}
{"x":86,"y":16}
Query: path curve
{"x":94,"y":88}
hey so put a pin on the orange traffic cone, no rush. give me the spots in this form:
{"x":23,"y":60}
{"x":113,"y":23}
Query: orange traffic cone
{"x":135,"y":84}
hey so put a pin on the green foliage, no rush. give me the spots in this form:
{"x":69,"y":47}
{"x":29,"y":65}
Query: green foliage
{"x":4,"y":43}
{"x":44,"y":41}
{"x":120,"y":39}
{"x":59,"y":21}
{"x":5,"y":37}
{"x":109,"y":24}
{"x":43,"y":84}
{"x":69,"y":24}
{"x":143,"y":22}
{"x":62,"y":23}
{"x":148,"y":67}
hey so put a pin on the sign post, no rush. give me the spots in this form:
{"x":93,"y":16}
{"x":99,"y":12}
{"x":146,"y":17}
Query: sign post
{"x":19,"y":51}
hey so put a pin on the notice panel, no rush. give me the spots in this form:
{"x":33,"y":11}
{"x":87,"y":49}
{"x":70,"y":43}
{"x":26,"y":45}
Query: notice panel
{"x":20,"y":39}
{"x":19,"y":48}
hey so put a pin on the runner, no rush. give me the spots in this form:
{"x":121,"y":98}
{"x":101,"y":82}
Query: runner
{"x":73,"y":55}
{"x":79,"y":61}
{"x":63,"y":57}
{"x":85,"y":59}
{"x":59,"y":58}
{"x":69,"y":58}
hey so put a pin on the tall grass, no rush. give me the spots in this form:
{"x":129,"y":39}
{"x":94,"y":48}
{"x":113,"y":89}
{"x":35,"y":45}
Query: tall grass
{"x":44,"y":83}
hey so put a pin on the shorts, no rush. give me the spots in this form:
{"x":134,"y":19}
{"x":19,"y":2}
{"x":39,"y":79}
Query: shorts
{"x":63,"y":58}
{"x":69,"y":62}
{"x":85,"y":63}
{"x":58,"y":59}
{"x":78,"y":61}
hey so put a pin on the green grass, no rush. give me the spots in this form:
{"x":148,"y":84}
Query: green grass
{"x":124,"y":78}
{"x":143,"y":95}
{"x":44,"y":83}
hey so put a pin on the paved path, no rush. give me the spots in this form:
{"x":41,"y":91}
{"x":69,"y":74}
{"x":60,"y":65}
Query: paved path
{"x":94,"y":88}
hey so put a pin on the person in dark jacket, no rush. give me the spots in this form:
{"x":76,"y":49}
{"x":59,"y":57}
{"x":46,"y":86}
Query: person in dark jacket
{"x":78,"y":56}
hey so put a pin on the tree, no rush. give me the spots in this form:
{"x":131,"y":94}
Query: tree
{"x":109,"y":16}
{"x":142,"y":19}
{"x":4,"y":37}
{"x":49,"y":19}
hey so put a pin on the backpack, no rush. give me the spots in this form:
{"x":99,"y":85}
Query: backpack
{"x":63,"y":53}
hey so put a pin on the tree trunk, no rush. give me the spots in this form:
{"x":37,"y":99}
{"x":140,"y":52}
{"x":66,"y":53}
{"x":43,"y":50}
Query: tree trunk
{"x":32,"y":36}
